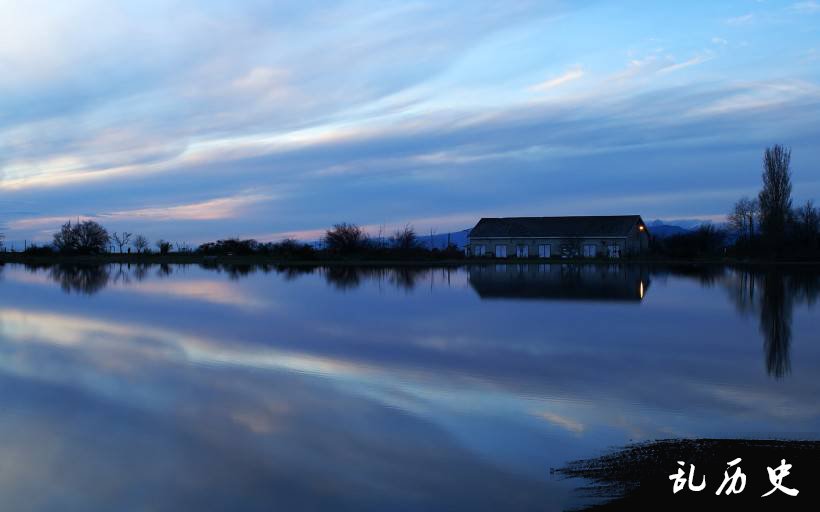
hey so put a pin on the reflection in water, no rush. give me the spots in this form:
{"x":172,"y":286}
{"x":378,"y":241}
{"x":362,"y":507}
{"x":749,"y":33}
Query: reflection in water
{"x":346,"y":277}
{"x":776,"y":324}
{"x":772,"y":294}
{"x":90,"y":279}
{"x":705,"y":275}
{"x":769,"y":294}
{"x":86,"y":279}
{"x":381,"y":388}
{"x":584,"y":282}
{"x":560,"y":281}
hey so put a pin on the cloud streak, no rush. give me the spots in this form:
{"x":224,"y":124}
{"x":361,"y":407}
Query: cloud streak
{"x":569,"y":76}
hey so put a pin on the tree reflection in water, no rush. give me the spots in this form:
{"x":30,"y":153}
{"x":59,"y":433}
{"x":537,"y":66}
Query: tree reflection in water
{"x":85,"y":279}
{"x":347,"y":277}
{"x":776,"y":324}
{"x":771,"y":294}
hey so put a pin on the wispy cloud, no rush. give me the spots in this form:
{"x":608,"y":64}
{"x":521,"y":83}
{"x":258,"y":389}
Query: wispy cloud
{"x":212,"y":209}
{"x":694,"y":61}
{"x":761,"y":96}
{"x":744,"y":19}
{"x":570,"y":75}
{"x":808,"y":7}
{"x":657,"y":63}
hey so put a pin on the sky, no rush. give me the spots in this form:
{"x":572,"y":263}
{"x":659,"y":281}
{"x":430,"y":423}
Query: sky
{"x":197,"y":120}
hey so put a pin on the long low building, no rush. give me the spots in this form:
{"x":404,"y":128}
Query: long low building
{"x":612,"y":236}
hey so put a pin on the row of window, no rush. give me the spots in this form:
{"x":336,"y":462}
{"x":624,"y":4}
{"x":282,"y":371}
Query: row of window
{"x":545,"y":251}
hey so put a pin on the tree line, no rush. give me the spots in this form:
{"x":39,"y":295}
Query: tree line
{"x":769,"y":223}
{"x":767,"y":226}
{"x":344,"y":240}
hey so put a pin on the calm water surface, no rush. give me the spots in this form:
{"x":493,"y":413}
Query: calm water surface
{"x":185,"y":388}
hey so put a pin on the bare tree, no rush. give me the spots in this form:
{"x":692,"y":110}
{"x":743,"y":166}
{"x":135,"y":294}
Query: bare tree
{"x":66,"y":239}
{"x":87,"y":237}
{"x":405,"y":238}
{"x":345,"y":238}
{"x":380,"y":237}
{"x":775,"y":198}
{"x":164,"y":246}
{"x":742,"y":218}
{"x":121,"y":239}
{"x":140,"y":244}
{"x":807,"y":222}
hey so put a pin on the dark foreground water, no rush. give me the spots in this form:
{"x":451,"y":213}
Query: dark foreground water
{"x":185,"y":388}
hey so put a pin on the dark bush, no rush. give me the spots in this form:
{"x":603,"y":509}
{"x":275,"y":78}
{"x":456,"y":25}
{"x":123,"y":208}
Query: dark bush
{"x":291,"y":249}
{"x":705,"y":241}
{"x":87,"y":237}
{"x":232,"y":246}
{"x":346,"y":238}
{"x":39,"y":250}
{"x":164,"y":246}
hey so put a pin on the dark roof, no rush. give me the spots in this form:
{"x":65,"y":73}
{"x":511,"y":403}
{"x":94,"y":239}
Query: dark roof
{"x":549,"y":227}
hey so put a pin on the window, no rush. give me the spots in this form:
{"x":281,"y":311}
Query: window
{"x":479,"y":250}
{"x":522,"y":251}
{"x":613,"y":251}
{"x":544,"y":251}
{"x":589,"y":251}
{"x":500,"y":251}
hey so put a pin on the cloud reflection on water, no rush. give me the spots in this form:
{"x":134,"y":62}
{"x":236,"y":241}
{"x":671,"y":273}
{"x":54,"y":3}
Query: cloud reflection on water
{"x":331,"y":368}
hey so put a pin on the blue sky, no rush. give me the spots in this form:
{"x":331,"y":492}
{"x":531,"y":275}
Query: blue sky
{"x":195,"y":120}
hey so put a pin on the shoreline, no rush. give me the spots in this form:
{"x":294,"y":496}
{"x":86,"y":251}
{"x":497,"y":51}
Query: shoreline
{"x":200,"y":259}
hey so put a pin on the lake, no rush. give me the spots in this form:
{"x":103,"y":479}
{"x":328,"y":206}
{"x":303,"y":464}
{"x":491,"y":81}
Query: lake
{"x":379,"y":388}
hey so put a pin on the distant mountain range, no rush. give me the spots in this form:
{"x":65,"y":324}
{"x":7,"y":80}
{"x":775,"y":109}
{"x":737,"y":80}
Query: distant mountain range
{"x":659,"y":229}
{"x":439,"y":241}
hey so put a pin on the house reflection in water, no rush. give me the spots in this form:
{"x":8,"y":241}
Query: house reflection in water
{"x":560,"y":281}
